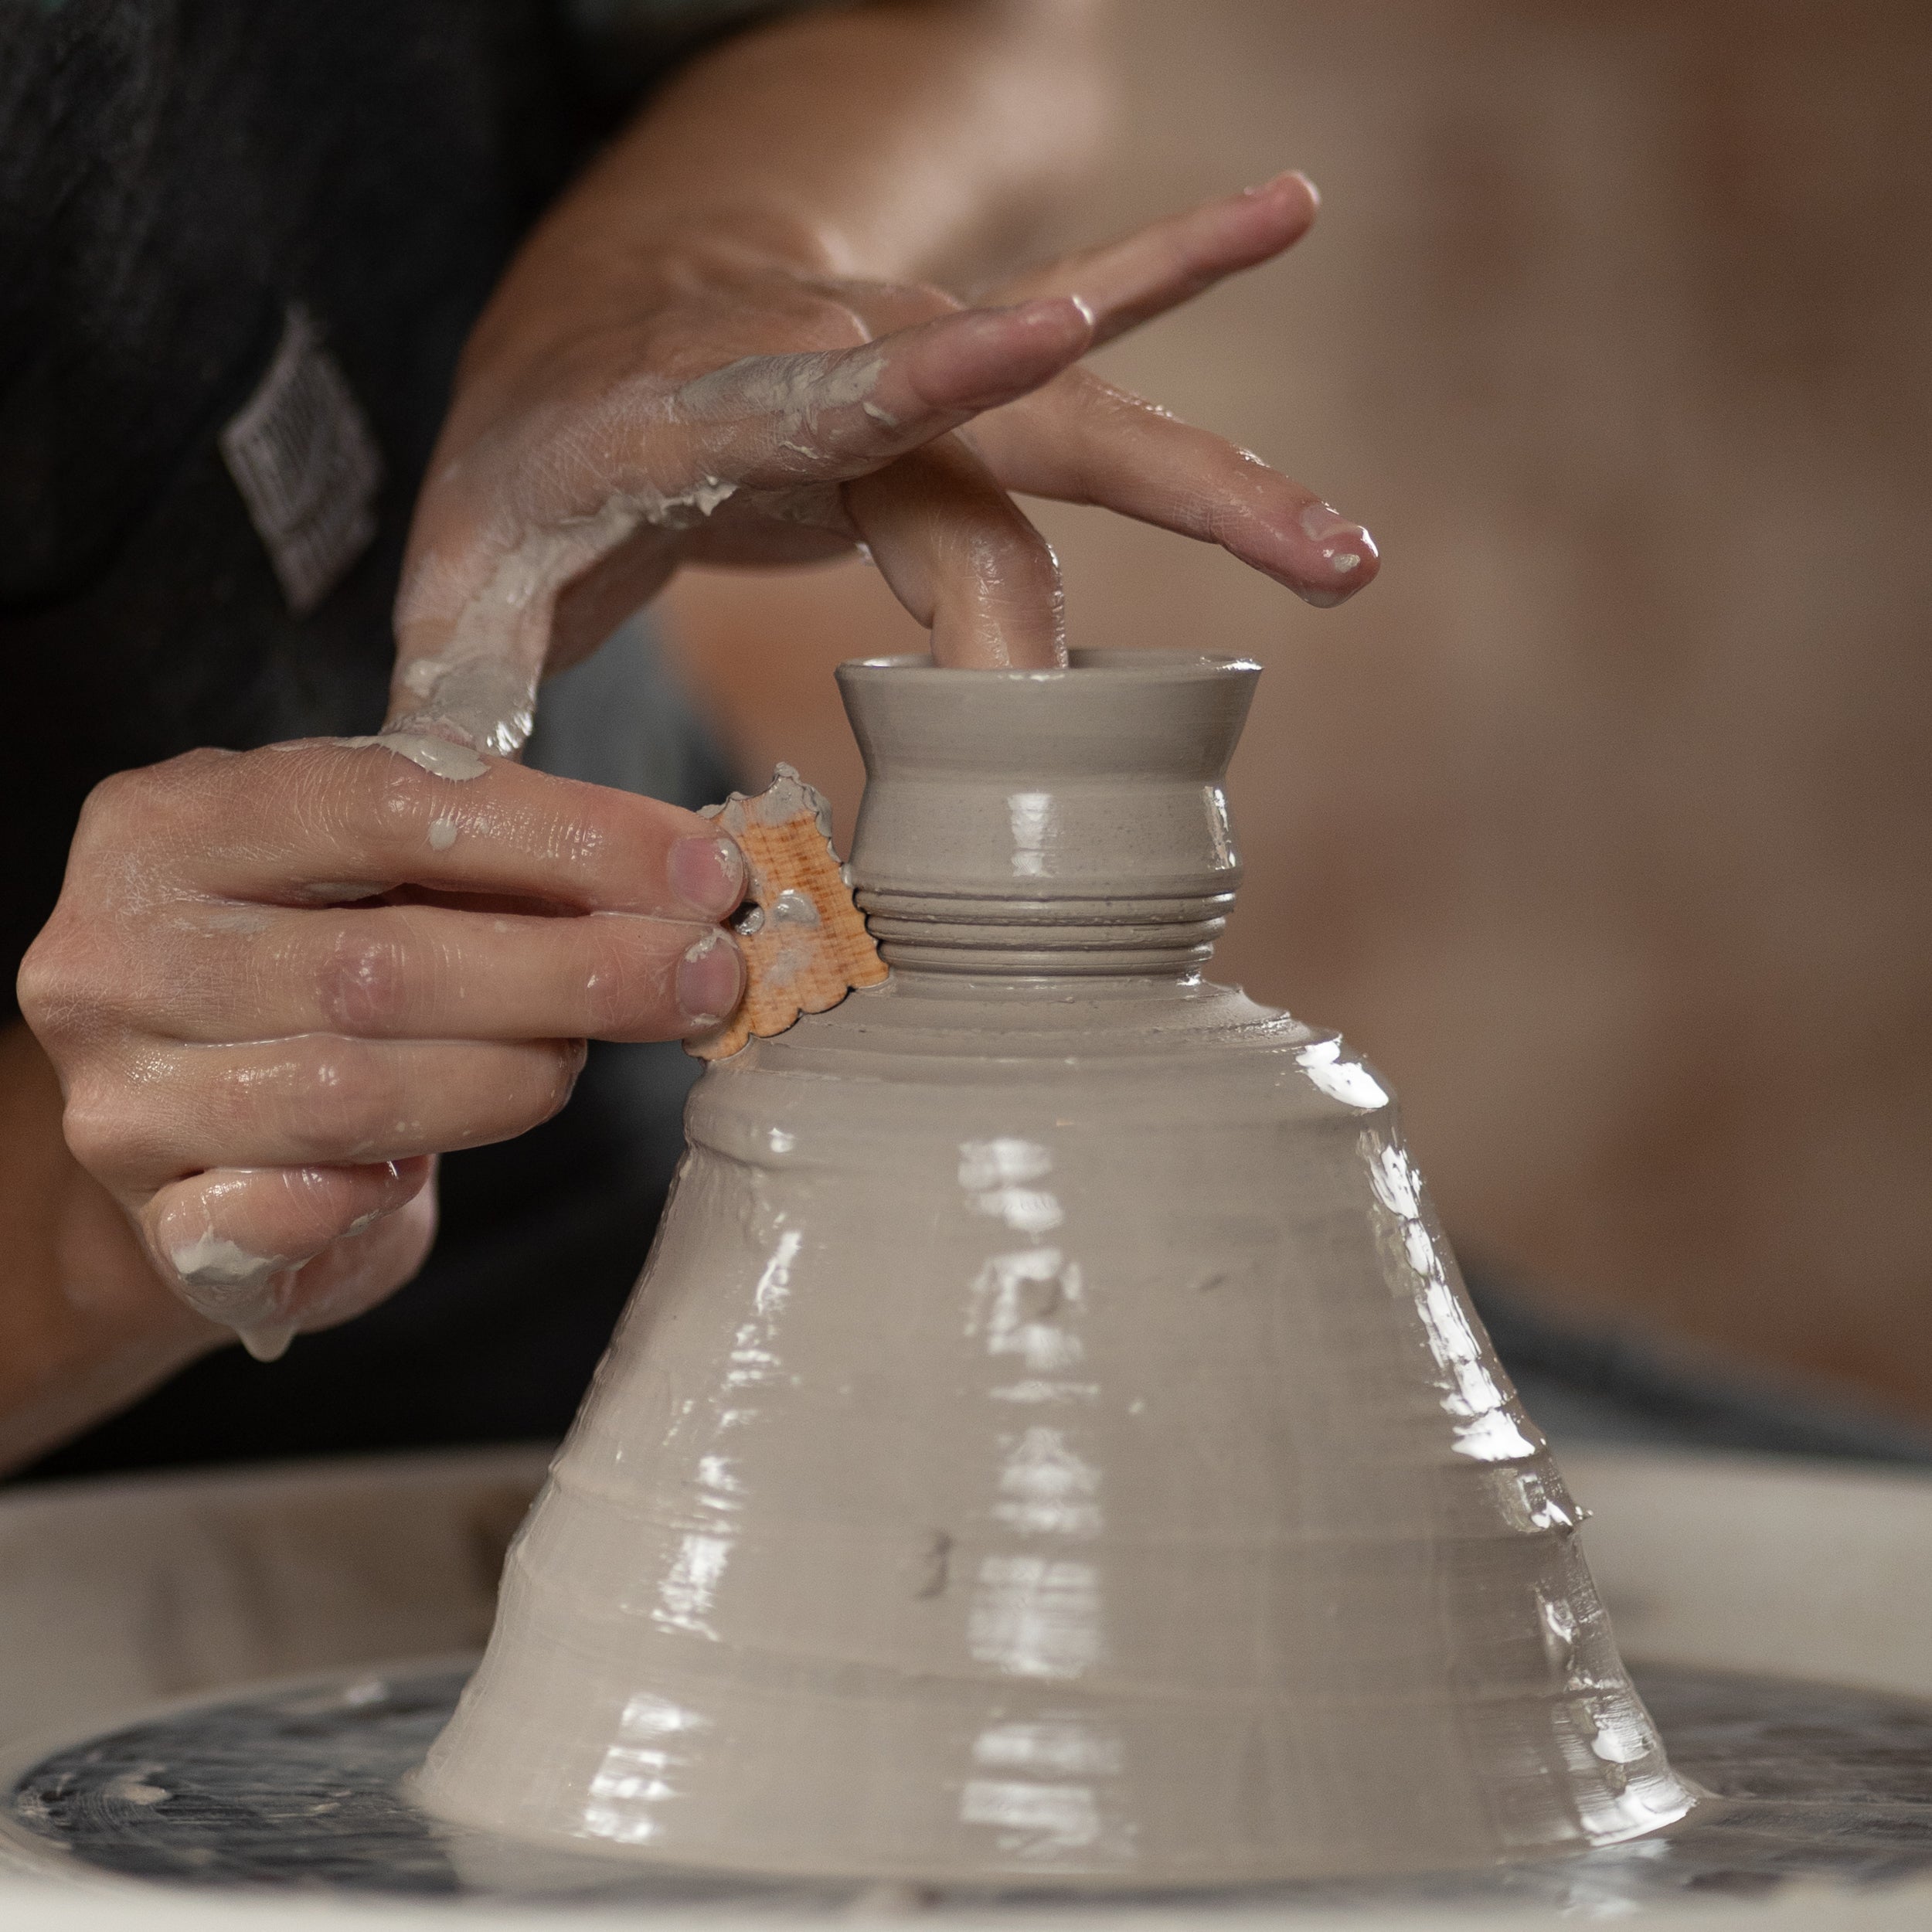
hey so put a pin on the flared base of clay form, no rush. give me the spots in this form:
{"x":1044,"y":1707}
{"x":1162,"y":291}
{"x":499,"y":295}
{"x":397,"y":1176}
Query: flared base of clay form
{"x":1050,"y":1443}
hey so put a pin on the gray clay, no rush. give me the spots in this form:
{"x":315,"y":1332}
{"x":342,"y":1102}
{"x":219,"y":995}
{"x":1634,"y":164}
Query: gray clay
{"x":1050,"y":1442}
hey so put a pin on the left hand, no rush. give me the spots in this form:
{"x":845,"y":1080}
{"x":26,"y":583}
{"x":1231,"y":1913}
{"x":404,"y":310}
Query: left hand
{"x":729,"y":401}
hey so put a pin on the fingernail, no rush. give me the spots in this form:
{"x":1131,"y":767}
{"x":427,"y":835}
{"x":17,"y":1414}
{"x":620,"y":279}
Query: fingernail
{"x":707,"y":874}
{"x":1345,"y":546}
{"x":711,"y":977}
{"x":1286,"y":173}
{"x":1052,"y":308}
{"x":1322,"y":521}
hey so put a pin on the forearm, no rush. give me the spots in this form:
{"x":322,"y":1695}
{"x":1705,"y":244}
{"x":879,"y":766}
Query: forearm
{"x":909,"y":140}
{"x":86,"y":1325}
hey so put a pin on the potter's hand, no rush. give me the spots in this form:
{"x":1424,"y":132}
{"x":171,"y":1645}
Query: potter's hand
{"x":278,"y":983}
{"x":729,"y":403}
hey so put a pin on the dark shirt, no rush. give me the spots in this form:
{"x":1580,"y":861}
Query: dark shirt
{"x":196,"y":551}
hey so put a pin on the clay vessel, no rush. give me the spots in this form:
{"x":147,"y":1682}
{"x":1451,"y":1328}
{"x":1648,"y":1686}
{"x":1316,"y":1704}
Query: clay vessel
{"x":1050,"y":1442}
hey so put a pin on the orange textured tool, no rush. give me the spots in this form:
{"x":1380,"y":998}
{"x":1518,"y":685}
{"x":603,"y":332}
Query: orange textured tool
{"x":804,"y":943}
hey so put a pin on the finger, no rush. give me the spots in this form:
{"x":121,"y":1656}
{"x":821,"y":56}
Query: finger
{"x":321,"y":1100}
{"x":323,"y":820}
{"x":769,"y":420}
{"x":222,"y":1238}
{"x":431,"y":972}
{"x":1088,"y":442}
{"x":962,"y":559}
{"x":358,"y":1271}
{"x":475,"y":615}
{"x":1124,"y":283}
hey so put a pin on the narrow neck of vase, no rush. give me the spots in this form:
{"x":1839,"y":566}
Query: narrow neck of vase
{"x":1047,"y":823}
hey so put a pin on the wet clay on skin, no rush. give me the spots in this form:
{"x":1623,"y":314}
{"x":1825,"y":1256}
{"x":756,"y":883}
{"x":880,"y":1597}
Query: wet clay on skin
{"x":1050,"y":1442}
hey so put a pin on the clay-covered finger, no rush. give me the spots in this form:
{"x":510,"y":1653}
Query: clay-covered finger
{"x":828,"y":416}
{"x":230,"y":1241}
{"x":323,"y":821}
{"x":319,"y":1100}
{"x":963,"y":559}
{"x":476,"y":615}
{"x":1126,"y":282}
{"x":1088,"y":442}
{"x":354,"y":1273}
{"x":434,"y":972}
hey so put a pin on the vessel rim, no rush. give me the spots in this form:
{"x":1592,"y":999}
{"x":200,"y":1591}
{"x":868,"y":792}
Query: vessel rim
{"x":1127,"y":664}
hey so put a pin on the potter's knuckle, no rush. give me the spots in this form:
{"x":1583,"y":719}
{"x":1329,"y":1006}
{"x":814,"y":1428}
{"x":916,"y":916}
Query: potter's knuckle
{"x":70,"y":986}
{"x":46,"y":986}
{"x":163,"y":809}
{"x":99,"y":1126}
{"x":188,"y":790}
{"x":109,"y":812}
{"x":364,"y":981}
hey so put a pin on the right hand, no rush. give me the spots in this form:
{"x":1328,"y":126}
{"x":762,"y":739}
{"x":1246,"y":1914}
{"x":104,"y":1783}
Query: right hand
{"x":279,"y":983}
{"x":621,"y":411}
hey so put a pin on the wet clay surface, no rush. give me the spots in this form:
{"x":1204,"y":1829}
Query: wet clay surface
{"x":1051,"y":1443}
{"x":298,"y":1788}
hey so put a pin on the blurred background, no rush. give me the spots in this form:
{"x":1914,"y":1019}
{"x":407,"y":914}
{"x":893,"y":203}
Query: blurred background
{"x":1602,"y":821}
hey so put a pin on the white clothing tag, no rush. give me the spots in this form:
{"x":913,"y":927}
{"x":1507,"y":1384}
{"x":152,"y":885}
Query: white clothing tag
{"x":301,"y":454}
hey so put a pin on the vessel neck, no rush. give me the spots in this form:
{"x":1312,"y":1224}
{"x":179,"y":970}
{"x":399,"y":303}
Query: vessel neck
{"x":961,"y":937}
{"x":1047,"y":825}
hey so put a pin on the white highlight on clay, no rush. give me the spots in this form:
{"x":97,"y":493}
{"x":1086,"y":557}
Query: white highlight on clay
{"x":1041,"y":1819}
{"x":1347,"y":561}
{"x":1066,"y":1747}
{"x":638,"y":1767}
{"x":1048,"y":1489}
{"x":132,"y":1788}
{"x":774,"y":1284}
{"x":1348,"y":1081}
{"x":1015,"y":1298}
{"x":993,"y":1173}
{"x":685,"y":1595}
{"x":1486,"y":1430}
{"x":1036,"y":1617}
{"x":1620,"y":1736}
{"x":1029,"y":817}
{"x":440,"y":757}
